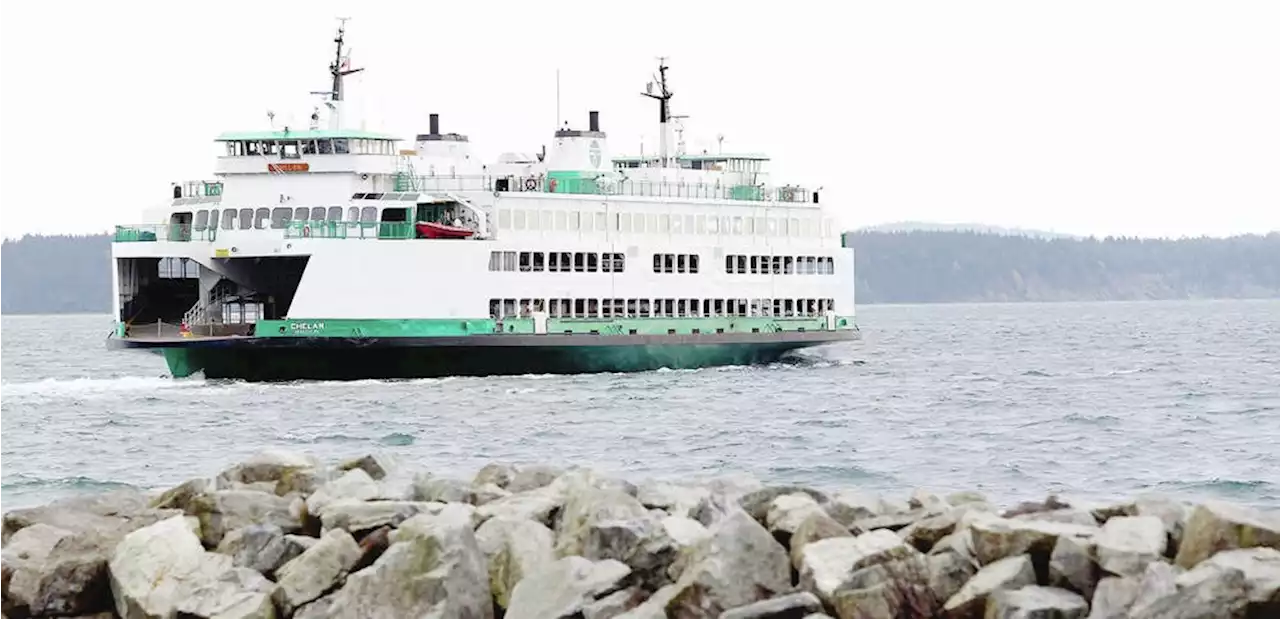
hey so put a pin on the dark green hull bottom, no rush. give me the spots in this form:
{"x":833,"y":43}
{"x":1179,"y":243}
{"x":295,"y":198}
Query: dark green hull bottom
{"x":279,"y":364}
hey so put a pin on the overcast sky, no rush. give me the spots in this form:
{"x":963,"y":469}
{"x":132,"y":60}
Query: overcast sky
{"x":1157,"y":118}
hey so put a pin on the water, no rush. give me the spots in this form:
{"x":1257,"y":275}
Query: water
{"x":1095,"y":400}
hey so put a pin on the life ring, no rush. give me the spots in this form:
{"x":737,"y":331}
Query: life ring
{"x":553,"y":185}
{"x":306,"y":231}
{"x":530,"y":184}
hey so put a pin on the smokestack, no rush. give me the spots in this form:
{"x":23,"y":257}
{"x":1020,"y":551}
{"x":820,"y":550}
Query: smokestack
{"x":435,"y":124}
{"x":594,"y":122}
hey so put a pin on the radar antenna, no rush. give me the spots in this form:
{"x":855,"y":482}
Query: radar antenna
{"x":663,"y":96}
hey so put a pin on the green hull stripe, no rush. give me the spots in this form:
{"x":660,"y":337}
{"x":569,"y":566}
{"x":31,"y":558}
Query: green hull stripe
{"x":443,"y":327}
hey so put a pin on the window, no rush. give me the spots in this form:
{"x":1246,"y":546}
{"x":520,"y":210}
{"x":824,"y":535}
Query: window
{"x":303,"y":213}
{"x":538,"y":261}
{"x":202,"y":219}
{"x":260,"y":218}
{"x":508,"y":261}
{"x":335,"y":213}
{"x":742,"y":264}
{"x":318,"y":213}
{"x":693,"y":263}
{"x":579,"y":262}
{"x":246,"y":219}
{"x":369,"y":214}
{"x":788,"y":265}
{"x":281,"y":216}
{"x":495,"y":261}
{"x":353,"y":214}
{"x":526,"y":261}
{"x":657,"y":263}
{"x":229,"y":219}
{"x":593,"y":259}
{"x":340,"y":146}
{"x":682,"y":264}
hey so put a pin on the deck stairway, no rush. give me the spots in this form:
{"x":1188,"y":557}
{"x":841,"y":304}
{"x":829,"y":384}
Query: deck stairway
{"x":405,"y":179}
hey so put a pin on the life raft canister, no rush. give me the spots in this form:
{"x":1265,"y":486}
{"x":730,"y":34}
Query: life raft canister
{"x":306,"y":230}
{"x":530,"y":184}
{"x":553,"y":185}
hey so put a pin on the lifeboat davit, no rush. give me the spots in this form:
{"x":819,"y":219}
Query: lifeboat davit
{"x":433,"y":230}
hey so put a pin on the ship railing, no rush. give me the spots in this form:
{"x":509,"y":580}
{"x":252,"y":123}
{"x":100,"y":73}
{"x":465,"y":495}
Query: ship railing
{"x":591,"y":186}
{"x":141,"y":233}
{"x":349,"y":230}
{"x":197,"y":189}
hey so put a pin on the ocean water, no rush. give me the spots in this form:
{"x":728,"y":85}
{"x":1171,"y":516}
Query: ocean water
{"x":1090,"y":400}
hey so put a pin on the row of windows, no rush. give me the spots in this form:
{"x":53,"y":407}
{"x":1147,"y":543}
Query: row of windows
{"x":279,"y":217}
{"x":780,"y":265}
{"x":292,"y":149}
{"x":660,"y":308}
{"x":675,"y":263}
{"x":661,"y":223}
{"x":556,"y":262}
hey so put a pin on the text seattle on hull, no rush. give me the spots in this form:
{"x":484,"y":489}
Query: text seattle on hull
{"x":335,"y":253}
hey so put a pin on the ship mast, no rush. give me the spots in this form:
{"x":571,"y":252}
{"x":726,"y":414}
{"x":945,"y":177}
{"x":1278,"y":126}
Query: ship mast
{"x":340,"y":68}
{"x":663,"y":97}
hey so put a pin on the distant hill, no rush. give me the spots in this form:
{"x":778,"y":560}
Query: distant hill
{"x":941,"y":267}
{"x":923,"y":226}
{"x":63,"y":274}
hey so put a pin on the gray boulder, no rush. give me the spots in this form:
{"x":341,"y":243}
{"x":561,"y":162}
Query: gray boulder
{"x":758,"y":502}
{"x":111,"y":514}
{"x":222,"y":511}
{"x":532,"y":477}
{"x":239,"y":593}
{"x":262,"y":547}
{"x":514,"y":549}
{"x":816,"y":526}
{"x":355,"y":484}
{"x":846,"y":507}
{"x":788,"y":511}
{"x":1008,"y":573}
{"x":564,"y":588}
{"x":286,"y":472}
{"x":155,"y":568}
{"x":1261,"y":569}
{"x":684,"y":532}
{"x":495,"y":473}
{"x":1072,"y":565}
{"x":1035,"y":602}
{"x":675,"y":499}
{"x":316,"y":571}
{"x":1113,"y":596}
{"x":1215,"y":526}
{"x":1128,"y":543}
{"x":52,"y":571}
{"x":738,"y":564}
{"x":427,"y":487}
{"x":995,"y":538}
{"x":488,"y":493}
{"x":1207,"y":592}
{"x":378,"y":466}
{"x":357,"y":517}
{"x":827,"y":566}
{"x":797,"y":605}
{"x":535,"y":505}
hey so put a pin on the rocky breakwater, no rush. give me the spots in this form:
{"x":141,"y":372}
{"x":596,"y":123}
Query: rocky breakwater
{"x":284,"y":535}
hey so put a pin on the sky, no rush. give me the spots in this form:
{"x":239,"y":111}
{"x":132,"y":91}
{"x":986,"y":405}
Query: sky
{"x":1139,"y":118}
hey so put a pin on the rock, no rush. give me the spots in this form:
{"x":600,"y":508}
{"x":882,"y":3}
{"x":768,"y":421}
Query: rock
{"x":675,"y":499}
{"x":848,"y":506}
{"x":782,"y":607}
{"x":959,"y":542}
{"x":535,"y":505}
{"x":1261,"y":568}
{"x":532,"y":477}
{"x":156,"y":567}
{"x":488,"y":493}
{"x":440,"y":489}
{"x":514,"y":549}
{"x":816,"y":526}
{"x":1113,"y":596}
{"x":222,"y":511}
{"x":1210,"y":592}
{"x":460,"y":514}
{"x":288,"y":472}
{"x":564,"y":588}
{"x":968,"y":497}
{"x":1009,"y":573}
{"x":887,"y":600}
{"x":263,"y":547}
{"x":1172,"y":513}
{"x":180,"y":496}
{"x":738,"y":564}
{"x":924,"y":500}
{"x":685,"y":532}
{"x":1215,"y":526}
{"x":895,"y":521}
{"x":948,"y":572}
{"x":52,"y":571}
{"x":433,"y":568}
{"x":587,"y":508}
{"x":995,"y":538}
{"x":377,"y":466}
{"x":926,"y":532}
{"x":355,"y":484}
{"x":786,"y":513}
{"x":1128,"y":543}
{"x":1068,"y":515}
{"x":239,"y":593}
{"x":1035,"y":602}
{"x":110,"y":514}
{"x":827,"y":565}
{"x":359,"y":516}
{"x":1030,"y":507}
{"x":1071,"y":565}
{"x":495,"y":473}
{"x":316,"y":571}
{"x":1158,"y":580}
{"x":614,"y":604}
{"x":757,"y":503}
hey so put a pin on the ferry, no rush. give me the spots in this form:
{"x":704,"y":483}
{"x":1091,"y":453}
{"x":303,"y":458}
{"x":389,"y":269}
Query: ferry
{"x":333,"y":253}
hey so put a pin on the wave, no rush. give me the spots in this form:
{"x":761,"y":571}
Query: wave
{"x":76,"y":483}
{"x":83,"y":386}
